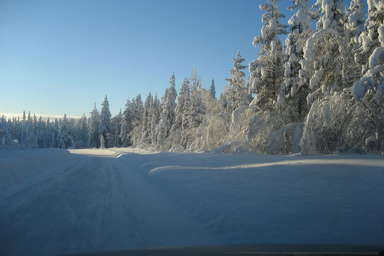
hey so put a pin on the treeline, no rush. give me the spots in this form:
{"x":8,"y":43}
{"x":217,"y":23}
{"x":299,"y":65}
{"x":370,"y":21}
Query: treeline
{"x":321,"y":90}
{"x":145,"y":123}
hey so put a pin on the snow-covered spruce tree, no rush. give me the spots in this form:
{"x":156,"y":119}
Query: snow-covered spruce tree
{"x":368,"y":40}
{"x":105,"y":124}
{"x":354,"y":26}
{"x":5,"y":133}
{"x":40,"y":131}
{"x":81,"y":134}
{"x":369,"y":91}
{"x":375,"y":13}
{"x":31,"y":138}
{"x":65,"y":135}
{"x":155,"y":118}
{"x":137,"y":121}
{"x":236,"y":93}
{"x":55,"y":133}
{"x":94,"y":128}
{"x":330,"y":68}
{"x":212,"y":89}
{"x":195,"y":81}
{"x":355,"y":19}
{"x":167,"y":115}
{"x":127,"y":120}
{"x":331,"y":15}
{"x":266,"y":72}
{"x":198,"y":108}
{"x":327,"y":62}
{"x":23,"y":129}
{"x":116,"y":130}
{"x":147,"y":117}
{"x":292,"y":98}
{"x":182,"y":116}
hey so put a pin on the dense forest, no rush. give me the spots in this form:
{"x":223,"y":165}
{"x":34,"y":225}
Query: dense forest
{"x":319,"y":91}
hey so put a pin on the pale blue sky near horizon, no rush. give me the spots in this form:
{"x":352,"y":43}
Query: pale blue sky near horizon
{"x":62,"y":56}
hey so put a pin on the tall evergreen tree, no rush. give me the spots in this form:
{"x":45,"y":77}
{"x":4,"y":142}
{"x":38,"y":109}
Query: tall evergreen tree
{"x":237,"y":92}
{"x":167,"y":115}
{"x":292,"y":97}
{"x":127,"y":120}
{"x":155,"y":118}
{"x":266,"y":72}
{"x":183,"y":107}
{"x":147,"y":116}
{"x":116,"y":123}
{"x":212,"y":89}
{"x":105,"y":124}
{"x":94,"y":128}
{"x":328,"y":63}
{"x":65,"y":135}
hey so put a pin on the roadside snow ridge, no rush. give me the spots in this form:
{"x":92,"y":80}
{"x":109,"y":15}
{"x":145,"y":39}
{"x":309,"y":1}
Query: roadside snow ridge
{"x":357,"y":162}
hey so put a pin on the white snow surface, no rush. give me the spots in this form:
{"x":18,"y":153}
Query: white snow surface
{"x":55,"y":201}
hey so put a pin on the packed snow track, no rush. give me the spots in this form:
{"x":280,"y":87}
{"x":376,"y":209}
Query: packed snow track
{"x":57,"y":202}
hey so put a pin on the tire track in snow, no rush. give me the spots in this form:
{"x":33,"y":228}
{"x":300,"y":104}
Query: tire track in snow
{"x":135,"y":238}
{"x":161,"y":221}
{"x":21,"y":218}
{"x":38,"y":185}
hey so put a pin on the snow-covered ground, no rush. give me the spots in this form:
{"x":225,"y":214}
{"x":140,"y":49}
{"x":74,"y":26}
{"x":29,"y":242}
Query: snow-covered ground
{"x":56,"y":201}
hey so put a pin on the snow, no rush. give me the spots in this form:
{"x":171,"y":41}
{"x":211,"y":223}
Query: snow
{"x":360,"y":88}
{"x":58,"y":201}
{"x":109,"y":152}
{"x":377,"y":57}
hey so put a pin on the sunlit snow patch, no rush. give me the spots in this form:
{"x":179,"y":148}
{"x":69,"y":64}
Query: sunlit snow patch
{"x":356,"y":162}
{"x":109,"y":152}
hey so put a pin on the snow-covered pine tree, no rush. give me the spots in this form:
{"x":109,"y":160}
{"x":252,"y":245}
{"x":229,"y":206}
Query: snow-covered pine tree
{"x":369,"y":90}
{"x":40,"y":132}
{"x":354,"y":26}
{"x":355,"y":19}
{"x":167,"y":116}
{"x":127,"y":120}
{"x":105,"y":124}
{"x":198,"y":108}
{"x":183,"y":106}
{"x":292,"y":98}
{"x":237,"y":93}
{"x":137,"y":120}
{"x":55,"y":133}
{"x":65,"y":136}
{"x":212,"y":89}
{"x":31,"y":138}
{"x":147,"y":116}
{"x":81,"y":135}
{"x":116,"y":122}
{"x":23,"y":129}
{"x":155,"y":117}
{"x":5,"y":133}
{"x":183,"y":113}
{"x":94,"y":128}
{"x":328,"y":63}
{"x":195,"y":80}
{"x":375,"y":13}
{"x":266,"y":72}
{"x":331,"y":15}
{"x":368,"y":39}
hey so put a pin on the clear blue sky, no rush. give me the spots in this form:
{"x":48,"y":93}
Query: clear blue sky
{"x":61,"y":56}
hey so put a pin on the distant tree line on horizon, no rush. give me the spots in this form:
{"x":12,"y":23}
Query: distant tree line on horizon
{"x":321,"y":90}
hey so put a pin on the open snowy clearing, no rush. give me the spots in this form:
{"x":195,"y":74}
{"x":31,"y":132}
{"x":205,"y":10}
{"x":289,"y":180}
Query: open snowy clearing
{"x":56,"y":201}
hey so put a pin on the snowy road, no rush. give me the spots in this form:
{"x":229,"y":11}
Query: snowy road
{"x":54,"y":201}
